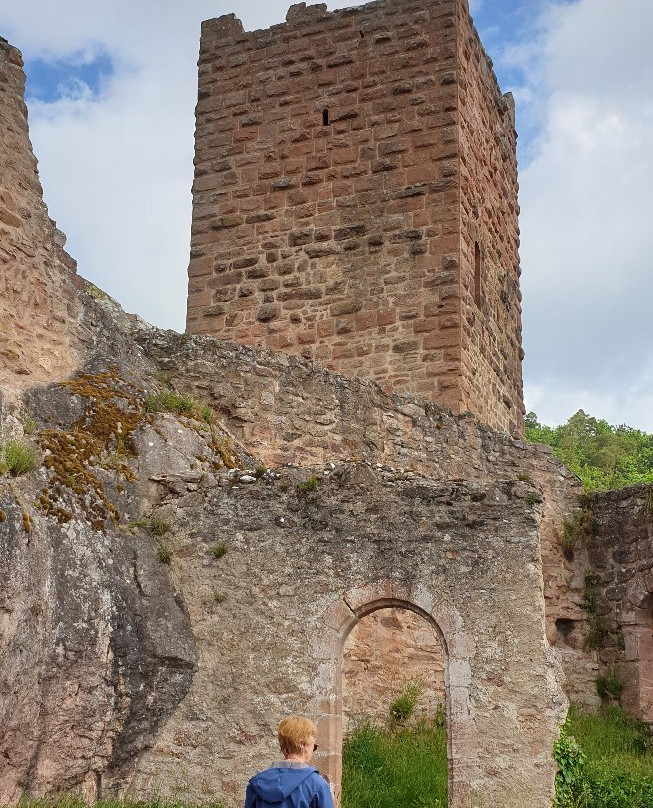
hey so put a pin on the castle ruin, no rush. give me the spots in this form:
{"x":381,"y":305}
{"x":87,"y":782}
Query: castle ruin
{"x":121,"y":675}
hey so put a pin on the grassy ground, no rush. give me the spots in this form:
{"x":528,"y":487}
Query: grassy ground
{"x":67,"y":801}
{"x":395,"y":768}
{"x":615,"y":767}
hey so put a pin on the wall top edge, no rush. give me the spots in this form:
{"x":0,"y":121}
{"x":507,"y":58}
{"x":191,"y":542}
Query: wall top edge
{"x":303,"y":13}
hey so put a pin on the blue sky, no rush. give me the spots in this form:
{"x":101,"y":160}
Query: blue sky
{"x":48,"y":80}
{"x":111,"y":92}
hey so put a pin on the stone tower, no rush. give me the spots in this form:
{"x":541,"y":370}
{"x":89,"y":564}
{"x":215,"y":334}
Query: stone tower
{"x":355,"y":200}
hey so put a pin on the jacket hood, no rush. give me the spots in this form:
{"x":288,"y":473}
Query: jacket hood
{"x":275,"y":784}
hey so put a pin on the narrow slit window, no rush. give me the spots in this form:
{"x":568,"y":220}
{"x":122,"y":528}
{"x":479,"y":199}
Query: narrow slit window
{"x":478,"y":270}
{"x":325,"y":117}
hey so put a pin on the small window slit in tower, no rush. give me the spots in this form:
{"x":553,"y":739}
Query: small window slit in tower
{"x":362,"y":33}
{"x":478,"y":268}
{"x":325,"y":117}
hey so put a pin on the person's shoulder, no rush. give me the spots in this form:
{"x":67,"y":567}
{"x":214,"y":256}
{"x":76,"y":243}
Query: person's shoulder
{"x":322,"y":789}
{"x":320,"y":780}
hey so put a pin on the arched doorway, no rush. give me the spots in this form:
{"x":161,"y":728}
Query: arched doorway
{"x":393,"y":711}
{"x":385,"y":650}
{"x":339,"y":619}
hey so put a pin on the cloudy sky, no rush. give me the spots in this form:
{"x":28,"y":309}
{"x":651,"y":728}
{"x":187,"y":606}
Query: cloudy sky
{"x":111,"y":91}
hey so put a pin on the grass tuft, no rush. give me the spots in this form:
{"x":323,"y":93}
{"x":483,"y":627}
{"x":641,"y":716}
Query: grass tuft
{"x":169,"y":401}
{"x":17,"y":457}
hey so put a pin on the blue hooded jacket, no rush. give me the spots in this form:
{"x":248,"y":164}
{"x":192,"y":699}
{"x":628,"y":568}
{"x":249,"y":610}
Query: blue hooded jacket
{"x":285,"y":785}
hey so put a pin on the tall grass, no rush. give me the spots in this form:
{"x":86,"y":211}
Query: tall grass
{"x":395,"y":767}
{"x":617,"y":770}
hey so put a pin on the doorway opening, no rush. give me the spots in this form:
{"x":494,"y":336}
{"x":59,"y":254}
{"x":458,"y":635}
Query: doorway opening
{"x":636,"y":670}
{"x":394,"y":712}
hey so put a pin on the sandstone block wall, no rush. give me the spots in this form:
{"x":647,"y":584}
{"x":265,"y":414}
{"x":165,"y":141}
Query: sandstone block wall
{"x":38,"y":296}
{"x":491,"y":299}
{"x":621,"y":566}
{"x":337,"y":197}
{"x":386,"y":651}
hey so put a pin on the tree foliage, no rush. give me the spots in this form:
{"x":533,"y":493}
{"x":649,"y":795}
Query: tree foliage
{"x":603,"y":456}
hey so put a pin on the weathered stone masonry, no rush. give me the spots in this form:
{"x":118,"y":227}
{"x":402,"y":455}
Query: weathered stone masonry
{"x":621,"y":558}
{"x":38,"y":298}
{"x":355,"y":200}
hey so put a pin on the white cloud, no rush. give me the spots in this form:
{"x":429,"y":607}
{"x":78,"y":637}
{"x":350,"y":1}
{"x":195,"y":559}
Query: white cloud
{"x":585,"y":201}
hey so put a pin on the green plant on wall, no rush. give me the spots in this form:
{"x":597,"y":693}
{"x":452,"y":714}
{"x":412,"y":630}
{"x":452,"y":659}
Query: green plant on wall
{"x":170,"y":401}
{"x":598,"y":625}
{"x":403,"y":707}
{"x":577,"y":530}
{"x":308,"y":486}
{"x":571,"y":761}
{"x":610,"y":687}
{"x":17,"y":457}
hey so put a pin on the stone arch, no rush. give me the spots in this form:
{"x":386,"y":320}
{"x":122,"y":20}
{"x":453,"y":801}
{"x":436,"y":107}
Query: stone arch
{"x":338,"y":619}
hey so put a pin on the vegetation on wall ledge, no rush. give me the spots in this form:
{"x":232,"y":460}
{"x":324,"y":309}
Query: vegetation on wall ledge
{"x":603,"y":456}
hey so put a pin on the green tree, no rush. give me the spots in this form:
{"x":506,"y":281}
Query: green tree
{"x":603,"y":456}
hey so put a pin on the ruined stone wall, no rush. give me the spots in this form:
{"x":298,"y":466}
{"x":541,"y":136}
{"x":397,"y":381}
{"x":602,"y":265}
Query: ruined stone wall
{"x":259,"y":632}
{"x":340,"y":241}
{"x":38,"y":299}
{"x":564,"y":575}
{"x":491,"y":300}
{"x":287,"y":410}
{"x":621,"y":569}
